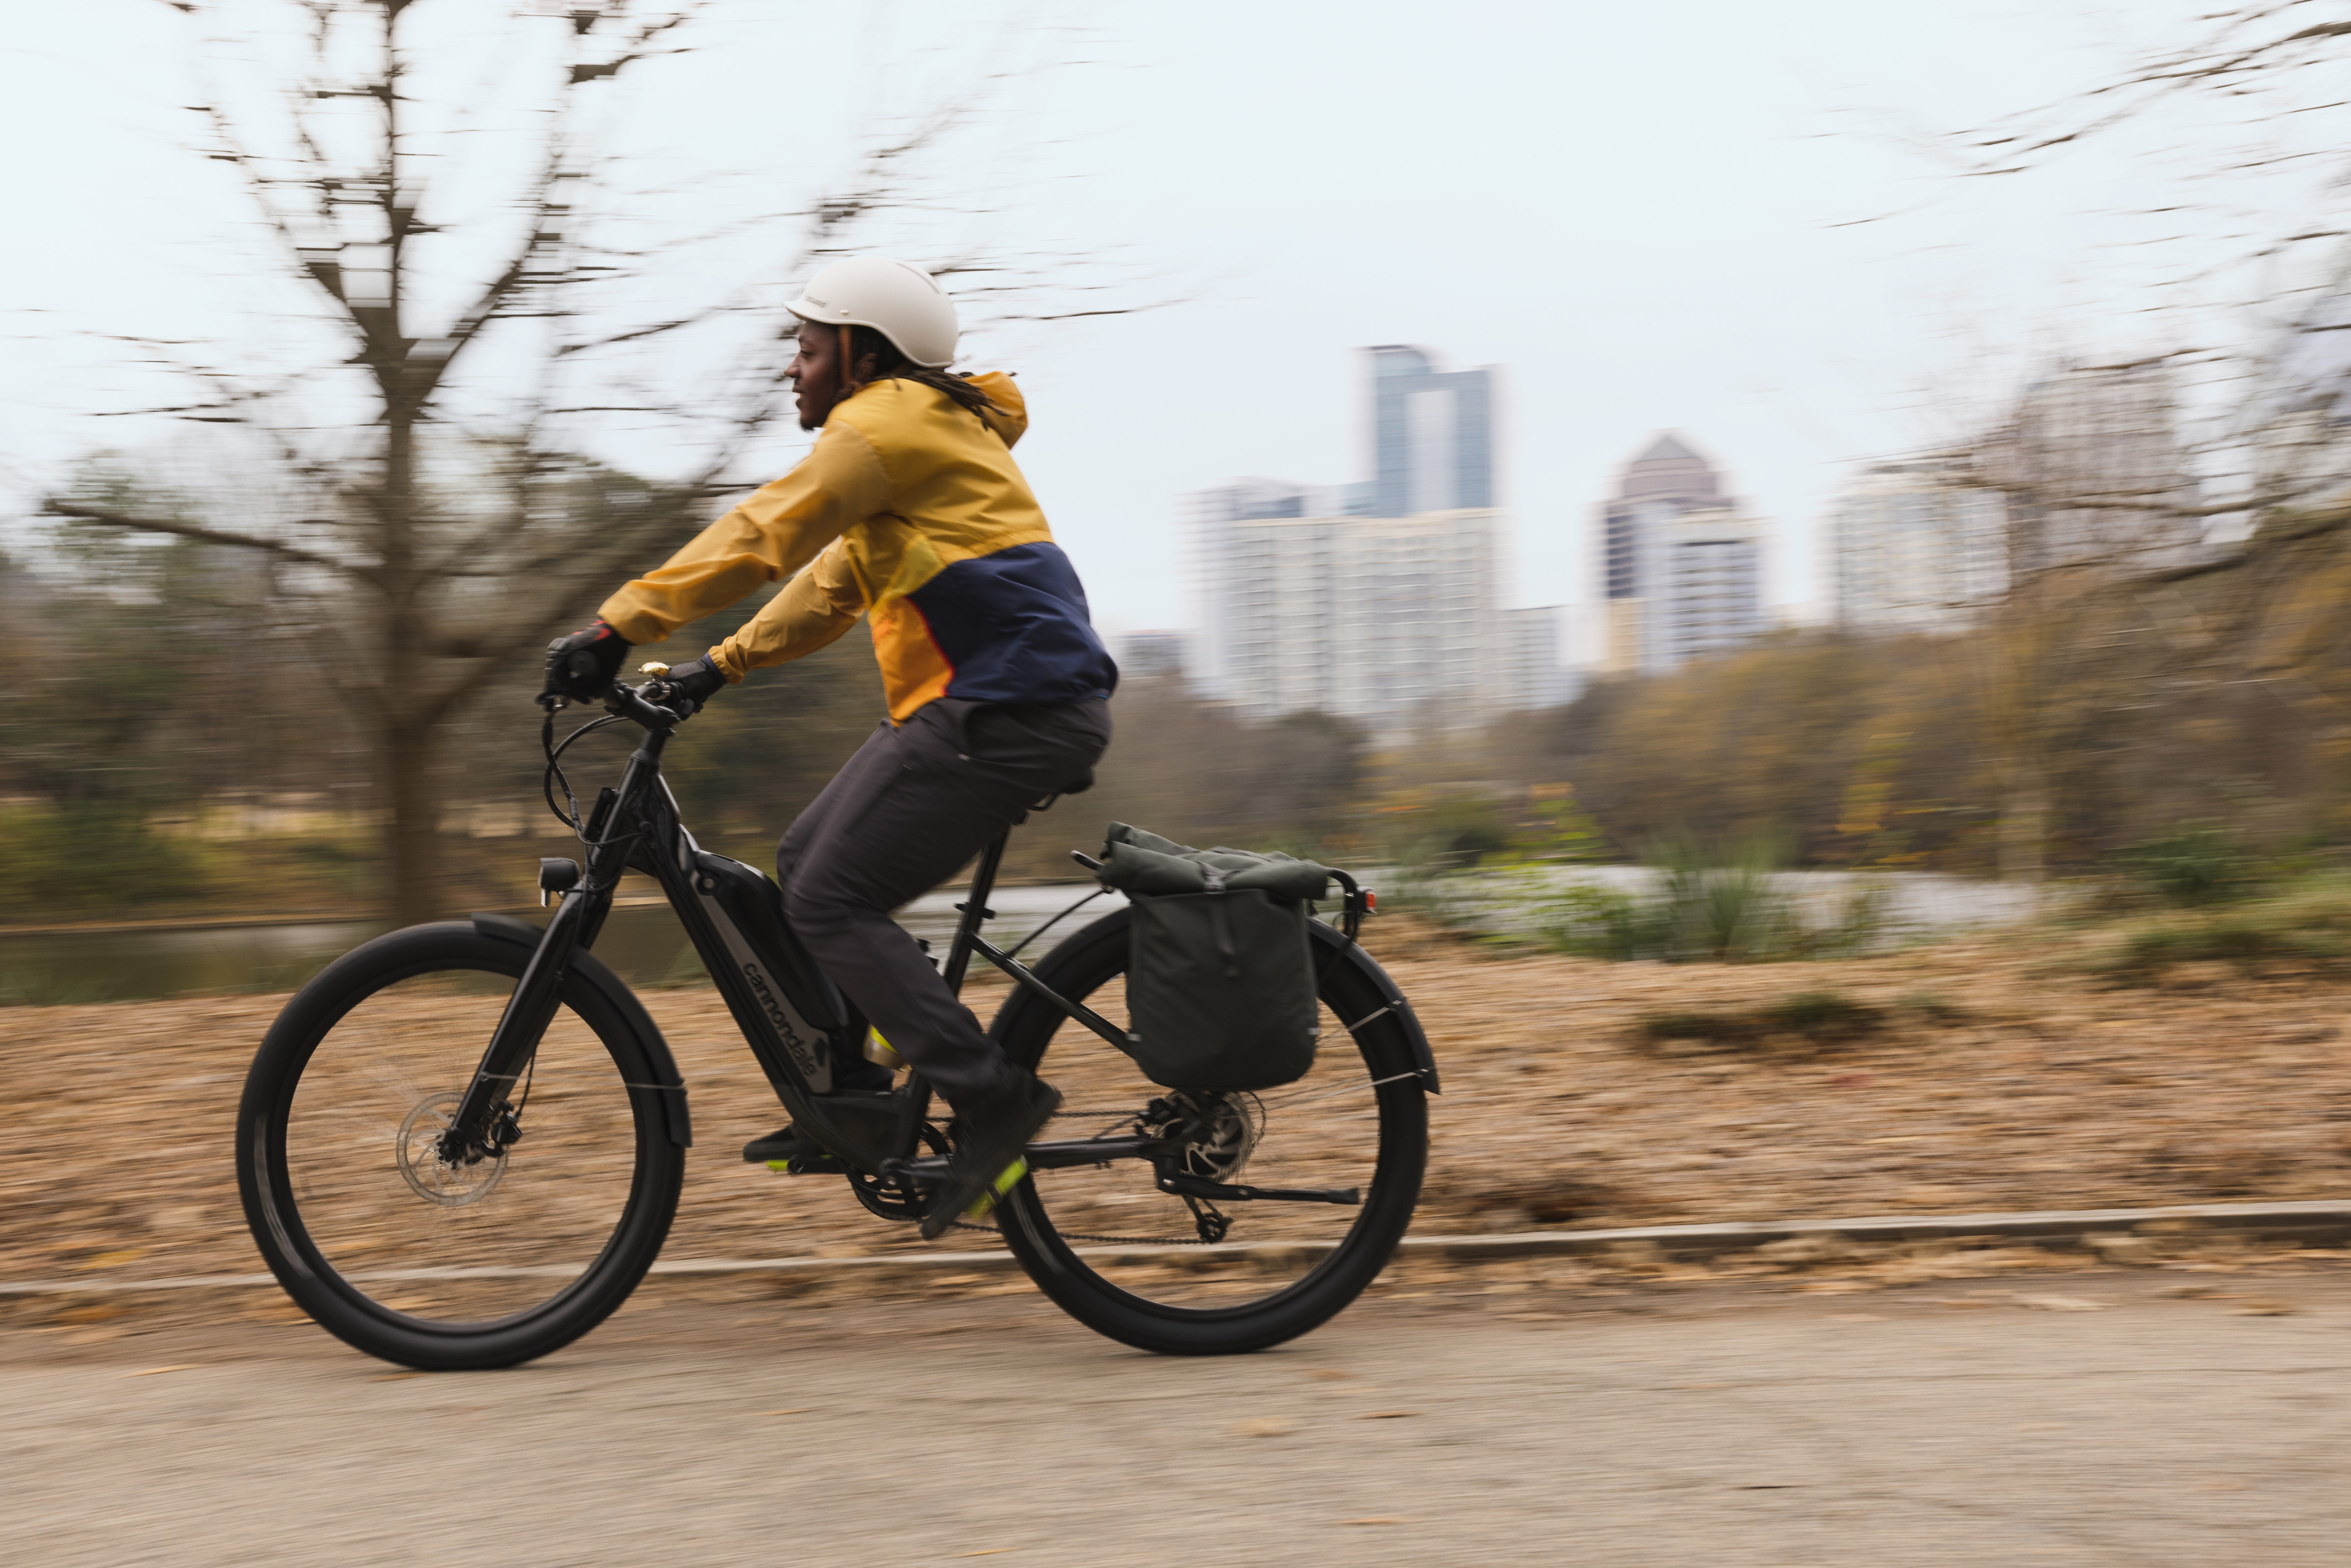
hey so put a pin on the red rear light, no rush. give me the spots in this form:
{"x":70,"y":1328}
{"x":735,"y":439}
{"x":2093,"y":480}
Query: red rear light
{"x":1371,"y":899}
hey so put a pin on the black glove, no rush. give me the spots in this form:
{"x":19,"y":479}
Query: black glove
{"x":584,"y":664}
{"x":689,"y":685}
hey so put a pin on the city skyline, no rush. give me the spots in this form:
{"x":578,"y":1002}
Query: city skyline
{"x":1432,"y":438}
{"x":1703,"y":553}
{"x":1381,"y":599}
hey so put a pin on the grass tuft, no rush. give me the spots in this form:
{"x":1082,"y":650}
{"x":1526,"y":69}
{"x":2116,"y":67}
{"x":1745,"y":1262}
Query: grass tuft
{"x":1816,"y":1019}
{"x":2305,"y":927}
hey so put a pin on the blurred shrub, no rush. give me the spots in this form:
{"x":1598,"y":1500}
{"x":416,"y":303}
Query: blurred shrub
{"x":1600,"y":922}
{"x":1727,"y":903}
{"x":1428,"y":833}
{"x":80,"y":858}
{"x":1720,"y":900}
{"x":2309,"y":925}
{"x":2199,"y":864}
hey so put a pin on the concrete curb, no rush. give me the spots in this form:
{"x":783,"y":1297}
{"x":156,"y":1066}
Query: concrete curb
{"x":2327,"y":1221}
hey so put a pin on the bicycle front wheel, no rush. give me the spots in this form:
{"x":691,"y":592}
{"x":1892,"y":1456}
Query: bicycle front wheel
{"x":1219,"y":1276}
{"x":441,"y":1264}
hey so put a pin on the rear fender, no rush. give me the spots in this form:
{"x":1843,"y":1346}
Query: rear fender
{"x":1352,"y":952}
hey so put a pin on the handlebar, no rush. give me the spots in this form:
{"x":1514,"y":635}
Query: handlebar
{"x":627,"y":702}
{"x":630,"y":703}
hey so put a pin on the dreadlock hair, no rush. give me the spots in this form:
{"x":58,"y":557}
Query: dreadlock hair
{"x":889,"y":364}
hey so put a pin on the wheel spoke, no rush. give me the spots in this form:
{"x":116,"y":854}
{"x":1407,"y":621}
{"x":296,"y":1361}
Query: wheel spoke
{"x":1145,"y":1265}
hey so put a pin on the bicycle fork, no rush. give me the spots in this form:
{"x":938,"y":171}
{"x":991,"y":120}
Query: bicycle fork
{"x":485,"y":1121}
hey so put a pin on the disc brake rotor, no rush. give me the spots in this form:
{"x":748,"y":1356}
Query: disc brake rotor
{"x":1213,"y":1134}
{"x":452,"y":1184}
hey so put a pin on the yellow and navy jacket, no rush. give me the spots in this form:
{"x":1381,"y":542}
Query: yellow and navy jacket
{"x":910,"y":511}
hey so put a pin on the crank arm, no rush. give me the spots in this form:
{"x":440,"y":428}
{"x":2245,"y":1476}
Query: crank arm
{"x":1194,"y":1186}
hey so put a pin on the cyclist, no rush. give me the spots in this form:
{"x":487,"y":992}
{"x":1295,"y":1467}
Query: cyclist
{"x":910,"y":511}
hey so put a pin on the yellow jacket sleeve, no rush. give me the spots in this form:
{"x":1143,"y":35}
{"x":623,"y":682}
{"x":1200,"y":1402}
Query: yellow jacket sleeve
{"x":769,"y":536}
{"x":814,"y":608}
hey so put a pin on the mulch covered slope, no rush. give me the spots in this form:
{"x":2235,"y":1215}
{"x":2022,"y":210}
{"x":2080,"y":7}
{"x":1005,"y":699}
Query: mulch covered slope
{"x":1999,"y":1081}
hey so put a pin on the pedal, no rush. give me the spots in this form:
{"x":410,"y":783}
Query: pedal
{"x":809,"y":1164}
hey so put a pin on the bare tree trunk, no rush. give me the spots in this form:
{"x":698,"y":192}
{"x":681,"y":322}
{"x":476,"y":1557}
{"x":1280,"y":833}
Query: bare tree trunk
{"x":411,"y":823}
{"x":411,"y":839}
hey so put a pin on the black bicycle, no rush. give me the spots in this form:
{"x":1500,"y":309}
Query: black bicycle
{"x":461,"y":1146}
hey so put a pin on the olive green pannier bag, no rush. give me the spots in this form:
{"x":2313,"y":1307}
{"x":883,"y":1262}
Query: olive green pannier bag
{"x":1220,"y":974}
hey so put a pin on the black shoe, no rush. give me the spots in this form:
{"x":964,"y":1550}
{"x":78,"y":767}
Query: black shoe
{"x":991,"y":1161}
{"x":785,"y":1150}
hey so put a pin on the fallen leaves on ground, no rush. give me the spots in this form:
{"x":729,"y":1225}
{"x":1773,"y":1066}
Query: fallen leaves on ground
{"x":2020,"y":1088}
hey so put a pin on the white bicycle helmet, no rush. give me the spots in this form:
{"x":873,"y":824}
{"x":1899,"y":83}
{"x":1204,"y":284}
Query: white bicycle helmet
{"x":896,"y":299}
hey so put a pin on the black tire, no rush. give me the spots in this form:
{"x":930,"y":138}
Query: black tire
{"x":451,"y":1268}
{"x":1297,"y":1265}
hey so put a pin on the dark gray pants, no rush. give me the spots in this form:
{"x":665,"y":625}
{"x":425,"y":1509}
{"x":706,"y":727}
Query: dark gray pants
{"x":914,"y":804}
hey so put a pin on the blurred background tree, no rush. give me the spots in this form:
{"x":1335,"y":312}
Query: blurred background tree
{"x":418,"y":441}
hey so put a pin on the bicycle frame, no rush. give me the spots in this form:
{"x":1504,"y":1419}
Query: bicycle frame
{"x":795,"y":1020}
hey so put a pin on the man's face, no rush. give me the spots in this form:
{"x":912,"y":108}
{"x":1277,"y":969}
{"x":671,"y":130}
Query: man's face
{"x":815,"y":372}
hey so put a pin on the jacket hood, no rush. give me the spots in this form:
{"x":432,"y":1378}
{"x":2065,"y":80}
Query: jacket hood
{"x":1010,"y":423}
{"x":1004,"y":394}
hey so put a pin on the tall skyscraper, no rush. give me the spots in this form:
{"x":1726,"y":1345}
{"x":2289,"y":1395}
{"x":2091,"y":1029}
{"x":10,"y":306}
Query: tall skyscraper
{"x":1915,"y":547}
{"x":1431,"y":436}
{"x":1681,"y":564}
{"x":1379,"y":602}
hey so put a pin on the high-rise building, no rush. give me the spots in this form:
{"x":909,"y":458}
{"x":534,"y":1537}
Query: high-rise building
{"x":1532,"y":676}
{"x":1389,"y":620}
{"x":1915,"y":547}
{"x":1432,"y":437}
{"x":1681,"y":564}
{"x":1379,"y":602}
{"x":2095,"y":474}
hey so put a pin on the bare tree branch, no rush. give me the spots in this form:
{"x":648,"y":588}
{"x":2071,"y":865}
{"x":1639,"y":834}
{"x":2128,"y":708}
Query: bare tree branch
{"x":63,"y":508}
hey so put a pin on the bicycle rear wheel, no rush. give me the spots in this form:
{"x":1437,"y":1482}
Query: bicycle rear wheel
{"x":439,"y":1264}
{"x":1129,"y":1260}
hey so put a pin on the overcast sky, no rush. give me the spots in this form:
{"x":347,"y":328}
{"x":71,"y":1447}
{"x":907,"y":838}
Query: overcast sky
{"x":1649,"y":216}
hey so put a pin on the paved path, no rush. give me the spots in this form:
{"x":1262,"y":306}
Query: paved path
{"x":1716,"y":1426}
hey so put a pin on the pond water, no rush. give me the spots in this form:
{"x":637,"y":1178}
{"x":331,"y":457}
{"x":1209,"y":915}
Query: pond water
{"x":645,"y":944}
{"x":1907,"y":905}
{"x":641,"y":941}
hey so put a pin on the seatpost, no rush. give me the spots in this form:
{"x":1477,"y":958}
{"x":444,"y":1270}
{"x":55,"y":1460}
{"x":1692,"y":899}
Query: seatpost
{"x":975,"y":910}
